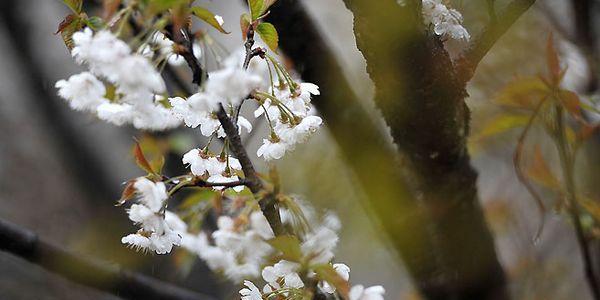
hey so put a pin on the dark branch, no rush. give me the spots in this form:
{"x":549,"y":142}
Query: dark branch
{"x":184,"y":39}
{"x":268,"y":204}
{"x":486,"y":39}
{"x":414,"y":77}
{"x":87,"y":271}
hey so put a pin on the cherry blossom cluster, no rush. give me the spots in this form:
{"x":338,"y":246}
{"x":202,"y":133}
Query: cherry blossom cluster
{"x":123,"y":85}
{"x":446,"y":22}
{"x":138,"y":85}
{"x":214,"y":169}
{"x":286,"y":106}
{"x":155,"y":234}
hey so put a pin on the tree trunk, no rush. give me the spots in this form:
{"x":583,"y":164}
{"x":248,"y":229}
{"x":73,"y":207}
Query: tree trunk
{"x":434,"y":219}
{"x":422,"y":99}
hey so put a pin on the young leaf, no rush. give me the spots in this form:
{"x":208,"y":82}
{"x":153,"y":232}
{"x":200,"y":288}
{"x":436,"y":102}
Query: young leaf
{"x":157,"y":6}
{"x":245,"y":24}
{"x":571,"y":103}
{"x":523,"y":93}
{"x":552,"y":60}
{"x":256,"y":8}
{"x":140,"y":159}
{"x":208,"y":17}
{"x":74,"y":5}
{"x":267,"y":4}
{"x":96,"y":23}
{"x":269,"y":35}
{"x":587,"y":131}
{"x":289,"y":246}
{"x":327,"y":273}
{"x":109,"y":7}
{"x":502,"y":124}
{"x":128,"y":192}
{"x":71,"y":24}
{"x":540,"y":172}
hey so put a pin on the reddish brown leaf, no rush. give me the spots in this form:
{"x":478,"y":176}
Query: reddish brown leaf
{"x":571,"y":103}
{"x":552,"y":59}
{"x":109,"y":7}
{"x":244,"y":25}
{"x":587,"y":131}
{"x":540,"y":172}
{"x":140,"y":159}
{"x":65,"y":23}
{"x":128,"y":192}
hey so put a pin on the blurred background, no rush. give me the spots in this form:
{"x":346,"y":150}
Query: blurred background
{"x":61,"y":171}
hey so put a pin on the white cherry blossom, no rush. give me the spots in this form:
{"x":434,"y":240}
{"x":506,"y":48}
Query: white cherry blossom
{"x":83,"y":91}
{"x":359,"y":292}
{"x":250,"y":292}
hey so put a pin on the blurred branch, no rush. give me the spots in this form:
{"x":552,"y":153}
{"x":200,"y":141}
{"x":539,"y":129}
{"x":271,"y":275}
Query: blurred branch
{"x":87,"y":271}
{"x":76,"y":154}
{"x":586,"y":39}
{"x":567,"y":159}
{"x":489,"y":35}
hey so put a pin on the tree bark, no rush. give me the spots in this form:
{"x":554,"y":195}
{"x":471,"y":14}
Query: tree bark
{"x":364,"y":144}
{"x":434,"y":219}
{"x":422,"y":99}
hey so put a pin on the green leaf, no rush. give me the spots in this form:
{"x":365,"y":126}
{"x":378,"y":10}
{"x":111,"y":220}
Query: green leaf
{"x":203,"y":195}
{"x":327,"y":273}
{"x":267,"y":4}
{"x":208,"y":17}
{"x":157,"y":6}
{"x":96,"y":23}
{"x":256,"y":8}
{"x":289,"y":246}
{"x":74,"y":5}
{"x":269,"y":35}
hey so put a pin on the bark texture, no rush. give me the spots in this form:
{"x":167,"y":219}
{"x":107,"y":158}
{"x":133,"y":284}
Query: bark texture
{"x":432,"y":214}
{"x":363,"y":143}
{"x":422,"y":99}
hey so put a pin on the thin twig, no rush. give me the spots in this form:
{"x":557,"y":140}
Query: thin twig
{"x":267,"y":203}
{"x":488,"y":37}
{"x":567,"y":161}
{"x":87,"y":271}
{"x":184,"y":38}
{"x":521,"y":176}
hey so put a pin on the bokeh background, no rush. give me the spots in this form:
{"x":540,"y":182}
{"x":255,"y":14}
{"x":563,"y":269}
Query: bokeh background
{"x":61,"y":170}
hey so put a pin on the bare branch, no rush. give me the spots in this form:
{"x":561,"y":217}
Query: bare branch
{"x":87,"y":271}
{"x":486,"y":39}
